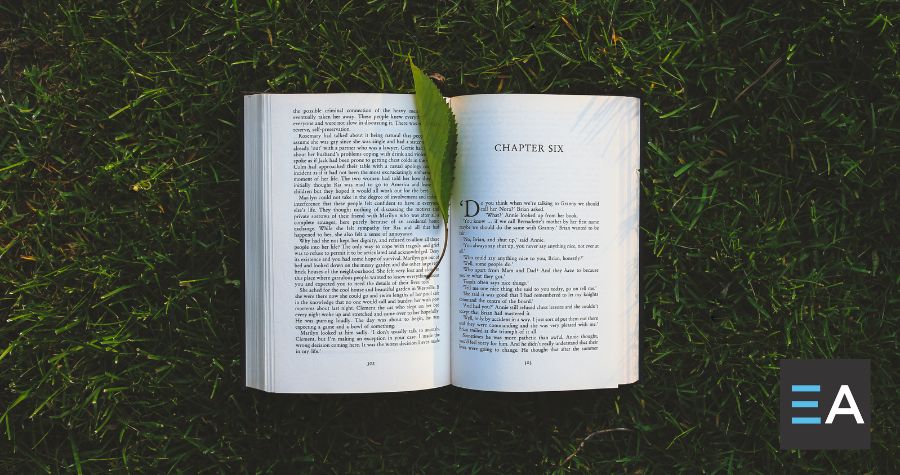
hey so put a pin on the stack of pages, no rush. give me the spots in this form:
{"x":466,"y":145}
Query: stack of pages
{"x":539,"y":289}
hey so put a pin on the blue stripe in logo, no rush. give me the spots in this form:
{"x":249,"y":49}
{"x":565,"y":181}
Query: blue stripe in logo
{"x":806,"y":420}
{"x":804,"y":403}
{"x":805,"y":388}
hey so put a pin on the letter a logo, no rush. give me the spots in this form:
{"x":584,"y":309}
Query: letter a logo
{"x":844,"y":393}
{"x":809,"y":388}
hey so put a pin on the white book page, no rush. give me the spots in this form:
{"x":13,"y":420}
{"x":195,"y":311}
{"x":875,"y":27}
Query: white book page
{"x":355,"y":231}
{"x":545,"y":242}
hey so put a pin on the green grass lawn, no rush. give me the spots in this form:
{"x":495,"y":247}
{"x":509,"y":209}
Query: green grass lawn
{"x":769,"y":216}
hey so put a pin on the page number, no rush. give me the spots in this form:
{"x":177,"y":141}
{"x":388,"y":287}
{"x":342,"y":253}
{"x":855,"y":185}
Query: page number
{"x":370,"y":363}
{"x":527,"y":362}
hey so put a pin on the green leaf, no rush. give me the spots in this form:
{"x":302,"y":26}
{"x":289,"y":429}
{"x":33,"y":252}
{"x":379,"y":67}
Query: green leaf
{"x":438,"y":129}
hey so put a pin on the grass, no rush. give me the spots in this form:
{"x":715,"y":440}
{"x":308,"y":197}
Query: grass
{"x":769,"y":216}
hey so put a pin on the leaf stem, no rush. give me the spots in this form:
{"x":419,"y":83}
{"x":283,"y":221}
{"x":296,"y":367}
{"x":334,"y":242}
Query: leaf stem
{"x":446,"y":238}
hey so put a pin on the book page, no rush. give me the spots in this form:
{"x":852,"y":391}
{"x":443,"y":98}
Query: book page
{"x":545,"y":242}
{"x":355,"y":232}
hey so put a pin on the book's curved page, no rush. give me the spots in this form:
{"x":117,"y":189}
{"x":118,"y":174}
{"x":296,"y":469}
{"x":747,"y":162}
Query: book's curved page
{"x":545,"y":242}
{"x":352,"y":232}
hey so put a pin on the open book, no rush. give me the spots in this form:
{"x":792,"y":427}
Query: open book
{"x":539,"y":289}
